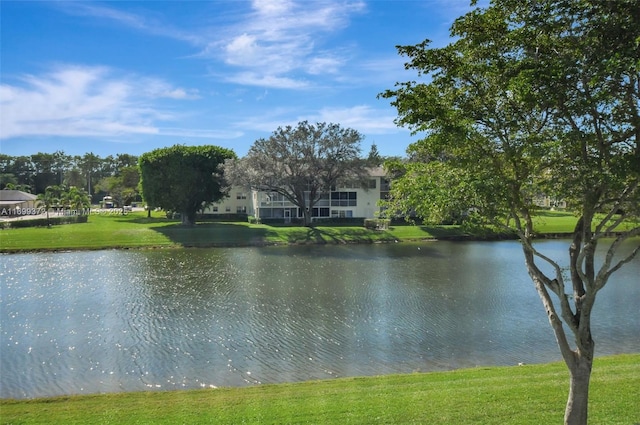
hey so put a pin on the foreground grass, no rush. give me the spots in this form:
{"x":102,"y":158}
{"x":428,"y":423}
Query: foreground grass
{"x":136,"y":230}
{"x":531,"y":394}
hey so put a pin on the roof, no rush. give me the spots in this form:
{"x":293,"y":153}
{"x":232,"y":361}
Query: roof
{"x":16,"y":195}
{"x":377,"y":172}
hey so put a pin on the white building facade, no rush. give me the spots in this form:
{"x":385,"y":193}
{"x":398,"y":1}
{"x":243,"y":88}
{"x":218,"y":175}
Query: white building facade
{"x":347,"y":201}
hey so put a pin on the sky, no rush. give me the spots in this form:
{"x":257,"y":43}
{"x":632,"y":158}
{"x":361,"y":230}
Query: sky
{"x":132,"y":76}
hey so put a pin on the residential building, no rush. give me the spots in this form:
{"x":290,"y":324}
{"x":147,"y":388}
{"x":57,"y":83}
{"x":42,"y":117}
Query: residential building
{"x":346,"y":201}
{"x":545,"y":201}
{"x":16,"y":202}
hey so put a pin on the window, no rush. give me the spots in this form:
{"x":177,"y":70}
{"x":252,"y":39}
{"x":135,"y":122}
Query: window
{"x":344,"y":199}
{"x":341,"y":213}
{"x":227,"y":209}
{"x":214,"y":208}
{"x":241,"y":195}
{"x":241,"y":209}
{"x":323,"y":201}
{"x":272,"y":199}
{"x":320,"y":212}
{"x":266,"y":213}
{"x":351,"y":184}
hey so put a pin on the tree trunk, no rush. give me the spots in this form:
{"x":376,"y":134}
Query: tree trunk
{"x":306,"y":215}
{"x":578,"y":361}
{"x":577,"y":404}
{"x":188,"y":218}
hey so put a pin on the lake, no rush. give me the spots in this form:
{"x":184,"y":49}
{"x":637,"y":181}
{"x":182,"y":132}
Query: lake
{"x":110,"y":321}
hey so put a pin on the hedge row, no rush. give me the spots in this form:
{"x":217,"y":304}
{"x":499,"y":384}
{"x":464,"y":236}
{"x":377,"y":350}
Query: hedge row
{"x":43,"y":222}
{"x":227,"y":217}
{"x":377,"y":223}
{"x":333,"y":221}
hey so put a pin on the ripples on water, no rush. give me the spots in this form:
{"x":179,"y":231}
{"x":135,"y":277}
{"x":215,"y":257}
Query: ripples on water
{"x":107,"y":321}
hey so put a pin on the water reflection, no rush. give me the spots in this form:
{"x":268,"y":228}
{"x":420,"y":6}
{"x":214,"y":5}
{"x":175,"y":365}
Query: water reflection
{"x":104,"y":321}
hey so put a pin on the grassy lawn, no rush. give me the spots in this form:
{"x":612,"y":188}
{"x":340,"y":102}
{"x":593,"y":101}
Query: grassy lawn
{"x":136,"y":230}
{"x":530,"y":394}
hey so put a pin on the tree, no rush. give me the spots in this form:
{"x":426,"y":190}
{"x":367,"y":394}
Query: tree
{"x":61,"y":163}
{"x":22,"y":168}
{"x":50,"y":197}
{"x":6,"y":175}
{"x":300,"y":163}
{"x":73,"y":177}
{"x":77,"y":199}
{"x":7,"y":181}
{"x":374,"y":159}
{"x":125,"y":160}
{"x":89,"y":164}
{"x":183,"y":178}
{"x":43,"y":172}
{"x":534,"y":97}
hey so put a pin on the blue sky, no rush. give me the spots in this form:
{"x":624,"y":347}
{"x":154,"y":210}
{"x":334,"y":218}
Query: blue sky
{"x":129,"y":77}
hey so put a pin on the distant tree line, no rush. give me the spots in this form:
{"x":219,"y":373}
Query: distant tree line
{"x":115,"y":175}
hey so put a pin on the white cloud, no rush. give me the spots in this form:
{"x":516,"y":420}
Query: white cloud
{"x":85,"y":101}
{"x":322,"y":65}
{"x":270,"y":81}
{"x":271,"y":7}
{"x":199,"y":133}
{"x":363,"y":118}
{"x":280,"y":39}
{"x":139,"y":22}
{"x":156,"y":88}
{"x":276,"y":41}
{"x":241,"y":49}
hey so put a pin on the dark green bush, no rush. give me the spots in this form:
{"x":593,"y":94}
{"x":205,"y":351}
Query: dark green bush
{"x":43,"y":222}
{"x":228,"y":217}
{"x":377,"y":223}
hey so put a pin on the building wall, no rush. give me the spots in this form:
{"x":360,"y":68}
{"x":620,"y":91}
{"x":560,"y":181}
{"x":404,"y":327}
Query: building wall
{"x":342,"y":202}
{"x":548,"y":202}
{"x":238,"y":202}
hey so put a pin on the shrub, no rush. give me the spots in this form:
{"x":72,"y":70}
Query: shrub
{"x":227,"y":217}
{"x":43,"y":222}
{"x":377,"y":223}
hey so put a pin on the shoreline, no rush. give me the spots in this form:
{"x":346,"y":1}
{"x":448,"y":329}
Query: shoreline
{"x":266,"y":244}
{"x":450,"y":372}
{"x":488,"y":395}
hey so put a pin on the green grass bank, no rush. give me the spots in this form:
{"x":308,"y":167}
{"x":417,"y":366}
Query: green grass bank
{"x":529,"y":394}
{"x":135,"y":230}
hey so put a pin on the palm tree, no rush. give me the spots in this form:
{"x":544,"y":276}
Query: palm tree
{"x":50,"y":197}
{"x":77,"y":199}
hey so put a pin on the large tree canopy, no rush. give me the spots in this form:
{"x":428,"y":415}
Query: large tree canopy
{"x":183,"y":178}
{"x":535,"y":97}
{"x":300,"y":163}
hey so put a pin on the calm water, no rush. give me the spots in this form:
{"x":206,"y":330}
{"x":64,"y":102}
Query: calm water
{"x":105,"y":321}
